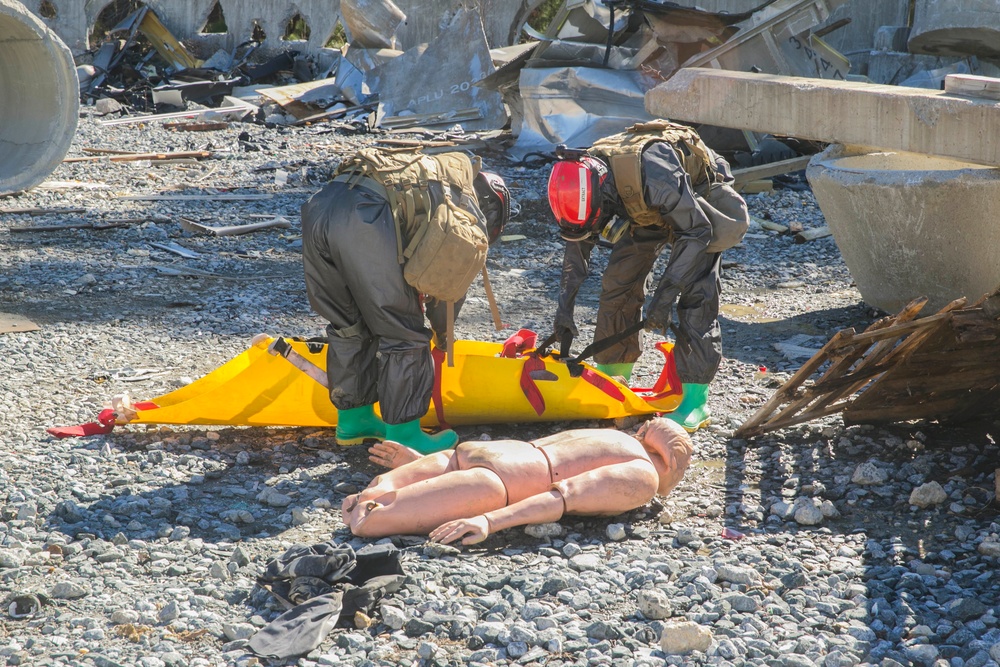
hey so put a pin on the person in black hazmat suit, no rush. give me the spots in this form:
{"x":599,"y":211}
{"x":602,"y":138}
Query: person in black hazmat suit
{"x":356,"y":234}
{"x":656,"y":184}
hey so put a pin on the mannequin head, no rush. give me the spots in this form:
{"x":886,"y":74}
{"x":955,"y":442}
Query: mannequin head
{"x":669,"y":447}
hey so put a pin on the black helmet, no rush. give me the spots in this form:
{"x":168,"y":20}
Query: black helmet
{"x":494,"y":202}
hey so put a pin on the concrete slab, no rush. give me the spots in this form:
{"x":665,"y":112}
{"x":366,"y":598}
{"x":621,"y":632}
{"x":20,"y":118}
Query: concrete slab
{"x":916,"y":120}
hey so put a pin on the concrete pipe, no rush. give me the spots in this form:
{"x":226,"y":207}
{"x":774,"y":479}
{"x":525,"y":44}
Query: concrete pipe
{"x":39,"y":99}
{"x":956,"y":28}
{"x":911,"y":225}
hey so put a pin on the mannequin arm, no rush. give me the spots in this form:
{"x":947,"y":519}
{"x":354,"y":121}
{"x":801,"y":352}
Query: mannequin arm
{"x":540,"y":508}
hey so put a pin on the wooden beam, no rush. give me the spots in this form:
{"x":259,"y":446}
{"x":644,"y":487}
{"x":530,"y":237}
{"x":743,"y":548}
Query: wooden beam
{"x":748,"y":174}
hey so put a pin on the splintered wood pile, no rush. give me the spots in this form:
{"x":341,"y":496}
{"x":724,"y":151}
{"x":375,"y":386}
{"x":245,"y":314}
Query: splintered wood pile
{"x":945,"y":367}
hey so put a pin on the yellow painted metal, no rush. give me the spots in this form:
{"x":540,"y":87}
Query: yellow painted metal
{"x":168,"y":46}
{"x":256,"y":388}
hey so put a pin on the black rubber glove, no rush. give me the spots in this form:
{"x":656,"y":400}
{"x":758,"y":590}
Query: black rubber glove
{"x":659,"y":313}
{"x":564,"y":334}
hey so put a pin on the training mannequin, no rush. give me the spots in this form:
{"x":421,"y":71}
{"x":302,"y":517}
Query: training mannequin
{"x":481,"y":487}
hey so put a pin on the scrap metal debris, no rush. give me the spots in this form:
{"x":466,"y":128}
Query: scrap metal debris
{"x":585,"y":77}
{"x":234,"y":230}
{"x":588,"y":74}
{"x":944,"y":367}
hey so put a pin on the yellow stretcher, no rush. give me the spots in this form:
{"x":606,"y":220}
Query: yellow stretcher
{"x":261,"y":388}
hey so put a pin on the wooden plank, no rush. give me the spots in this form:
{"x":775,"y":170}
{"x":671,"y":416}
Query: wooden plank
{"x":32,"y":211}
{"x":134,"y":157}
{"x":857,"y":361}
{"x":807,"y":369}
{"x":913,"y":385}
{"x":936,"y":360}
{"x":857,"y":353}
{"x":901,"y":412}
{"x":756,"y":187}
{"x":971,"y":85}
{"x":215,"y":197}
{"x":886,"y":353}
{"x":748,"y":174}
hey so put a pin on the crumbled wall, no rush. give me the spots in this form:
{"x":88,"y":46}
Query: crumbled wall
{"x":73,"y":19}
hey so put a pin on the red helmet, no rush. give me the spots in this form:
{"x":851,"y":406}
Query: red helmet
{"x":575,"y":196}
{"x":494,"y":202}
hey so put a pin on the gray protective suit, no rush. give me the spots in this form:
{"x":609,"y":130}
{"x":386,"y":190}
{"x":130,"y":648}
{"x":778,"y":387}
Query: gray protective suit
{"x":378,"y":346}
{"x":691,"y":276}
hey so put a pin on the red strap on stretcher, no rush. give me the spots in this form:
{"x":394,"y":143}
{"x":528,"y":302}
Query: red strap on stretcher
{"x":534,"y":395}
{"x":528,"y":386}
{"x":519,"y":343}
{"x":105,"y":424}
{"x":669,"y":382}
{"x":603,"y":383}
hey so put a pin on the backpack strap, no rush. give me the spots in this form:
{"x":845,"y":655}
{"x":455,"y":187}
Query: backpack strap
{"x":575,"y":368}
{"x":627,"y":170}
{"x":450,"y":331}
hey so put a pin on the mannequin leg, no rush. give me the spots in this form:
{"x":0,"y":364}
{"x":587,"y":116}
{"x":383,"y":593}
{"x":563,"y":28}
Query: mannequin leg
{"x":418,"y":508}
{"x":426,"y":467}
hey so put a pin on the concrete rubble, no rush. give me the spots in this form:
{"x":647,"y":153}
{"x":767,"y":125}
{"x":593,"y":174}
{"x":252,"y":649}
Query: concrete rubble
{"x":171,"y":237}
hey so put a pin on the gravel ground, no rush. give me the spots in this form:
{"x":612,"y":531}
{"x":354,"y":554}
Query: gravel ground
{"x":859,"y":545}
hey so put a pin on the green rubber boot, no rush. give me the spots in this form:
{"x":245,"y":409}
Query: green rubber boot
{"x":617,"y":370}
{"x":356,"y":425}
{"x":693,"y":412}
{"x":411,"y":435}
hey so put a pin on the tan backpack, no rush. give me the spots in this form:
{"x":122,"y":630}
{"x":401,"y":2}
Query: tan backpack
{"x":724,"y":207}
{"x":622,"y":154}
{"x":443,"y":249}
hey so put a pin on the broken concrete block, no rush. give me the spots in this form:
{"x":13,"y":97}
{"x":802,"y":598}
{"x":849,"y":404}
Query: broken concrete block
{"x":107,"y":105}
{"x":685,"y":637}
{"x":861,"y":114}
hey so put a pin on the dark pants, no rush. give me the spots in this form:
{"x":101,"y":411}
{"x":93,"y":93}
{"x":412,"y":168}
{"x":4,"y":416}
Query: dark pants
{"x":379,"y":347}
{"x":698,"y":345}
